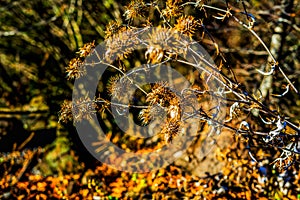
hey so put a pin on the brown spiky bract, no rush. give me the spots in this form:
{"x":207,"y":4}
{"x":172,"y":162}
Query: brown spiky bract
{"x":187,"y":25}
{"x":161,"y":95}
{"x":173,"y":9}
{"x":134,"y":9}
{"x":75,"y":68}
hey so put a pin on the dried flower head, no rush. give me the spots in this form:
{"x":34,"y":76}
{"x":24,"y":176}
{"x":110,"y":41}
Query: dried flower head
{"x":168,"y":100}
{"x":134,"y":9}
{"x":187,"y":25}
{"x":112,"y":28}
{"x":154,"y":112}
{"x":75,"y":68}
{"x":86,"y":49}
{"x":145,"y":116}
{"x":65,"y":113}
{"x":171,"y":130}
{"x":118,"y":85}
{"x":120,"y":45}
{"x":160,"y":36}
{"x":160,"y":94}
{"x":81,"y":109}
{"x":172,"y":9}
{"x":158,"y":40}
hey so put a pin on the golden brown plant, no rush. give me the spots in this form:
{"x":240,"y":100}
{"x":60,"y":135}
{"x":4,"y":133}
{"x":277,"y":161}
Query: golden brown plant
{"x":173,"y":9}
{"x":187,"y":25}
{"x":217,"y":83}
{"x":75,"y":68}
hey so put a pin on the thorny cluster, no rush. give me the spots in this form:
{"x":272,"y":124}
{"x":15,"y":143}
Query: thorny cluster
{"x":76,"y":67}
{"x":161,"y":95}
{"x":251,"y":114}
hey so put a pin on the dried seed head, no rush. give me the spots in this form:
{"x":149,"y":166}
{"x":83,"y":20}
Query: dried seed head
{"x":155,"y":112}
{"x":86,"y":49}
{"x":134,"y":9}
{"x":168,"y":100}
{"x":113,"y":86}
{"x":187,"y":25}
{"x":158,"y":41}
{"x":113,"y":27}
{"x":75,"y":68}
{"x":160,"y":36}
{"x":172,"y":9}
{"x":145,"y":116}
{"x":65,"y":113}
{"x":160,"y":94}
{"x":164,"y":42}
{"x":171,"y":130}
{"x":120,"y":45}
{"x":83,"y":108}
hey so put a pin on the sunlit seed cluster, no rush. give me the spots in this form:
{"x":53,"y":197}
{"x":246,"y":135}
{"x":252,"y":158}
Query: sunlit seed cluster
{"x":114,"y":85}
{"x":187,"y":25}
{"x":165,"y":98}
{"x":86,"y":49}
{"x":75,"y":68}
{"x":134,"y":9}
{"x":82,"y":108}
{"x":113,"y":27}
{"x":172,"y":9}
{"x":121,"y":45}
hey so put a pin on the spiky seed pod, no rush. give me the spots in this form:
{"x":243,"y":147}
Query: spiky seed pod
{"x":171,"y":130}
{"x":120,"y":45}
{"x":154,"y":112}
{"x":83,"y":108}
{"x":86,"y":49}
{"x":75,"y":68}
{"x":172,"y":9}
{"x":145,"y":116}
{"x":113,"y":27}
{"x":158,"y":41}
{"x":160,"y":94}
{"x":134,"y":9}
{"x":187,"y":25}
{"x":113,"y":86}
{"x":164,"y":42}
{"x":65,"y":113}
{"x":163,"y":96}
{"x":160,"y":36}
